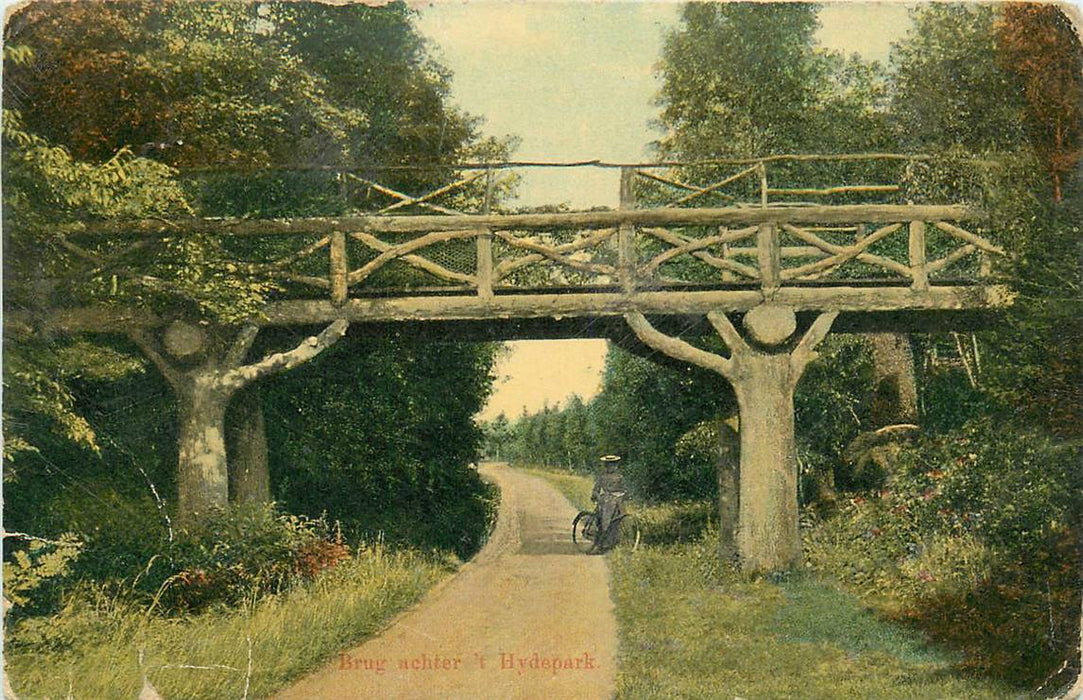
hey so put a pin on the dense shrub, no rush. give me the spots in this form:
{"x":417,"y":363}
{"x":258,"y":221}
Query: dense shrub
{"x":975,"y":539}
{"x":378,"y":433}
{"x":244,"y":553}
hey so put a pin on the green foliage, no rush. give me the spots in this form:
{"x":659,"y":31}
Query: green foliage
{"x":677,"y":521}
{"x":976,"y":525}
{"x":640,"y":414}
{"x":832,"y":406}
{"x":199,"y":83}
{"x":497,"y":434}
{"x":32,"y":389}
{"x":948,"y":89}
{"x":245,"y":553}
{"x":741,"y":79}
{"x":383,"y":442}
{"x":39,"y":563}
{"x":45,"y":184}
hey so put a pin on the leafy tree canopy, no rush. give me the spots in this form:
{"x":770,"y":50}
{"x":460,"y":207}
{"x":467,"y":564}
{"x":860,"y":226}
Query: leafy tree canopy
{"x":741,"y":79}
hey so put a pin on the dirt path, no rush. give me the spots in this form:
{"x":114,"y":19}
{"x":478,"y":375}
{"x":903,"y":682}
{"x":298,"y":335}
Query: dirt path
{"x":529,"y":617}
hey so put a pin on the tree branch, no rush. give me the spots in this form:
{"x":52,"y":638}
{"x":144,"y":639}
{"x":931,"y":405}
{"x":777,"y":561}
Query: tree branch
{"x":805,"y":352}
{"x":241,"y":345}
{"x":724,"y":327}
{"x":675,"y":347}
{"x":308,"y":348}
{"x":149,"y":347}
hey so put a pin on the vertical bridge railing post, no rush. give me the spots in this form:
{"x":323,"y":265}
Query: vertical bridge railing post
{"x":339,"y":264}
{"x":762,"y":167}
{"x":339,"y":267}
{"x":626,"y":248}
{"x":768,"y":253}
{"x":485,"y":244}
{"x":918,"y":274}
{"x":769,"y":257}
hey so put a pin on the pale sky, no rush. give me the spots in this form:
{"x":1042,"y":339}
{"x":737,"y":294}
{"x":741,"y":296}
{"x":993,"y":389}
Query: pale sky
{"x":575,"y":81}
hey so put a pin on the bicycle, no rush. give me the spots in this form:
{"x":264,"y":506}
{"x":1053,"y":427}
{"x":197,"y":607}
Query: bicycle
{"x":623,"y":528}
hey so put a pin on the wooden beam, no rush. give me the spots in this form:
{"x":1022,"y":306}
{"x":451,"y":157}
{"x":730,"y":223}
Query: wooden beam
{"x":713,"y":187}
{"x":690,"y":246}
{"x":404,"y":198}
{"x":485,"y":265}
{"x":293,"y":257}
{"x":726,"y":216}
{"x":403,"y":249}
{"x":508,"y":266}
{"x":407,"y":201}
{"x":968,"y":237}
{"x":823,"y":192}
{"x":843,"y":253}
{"x":434,"y":269}
{"x":947,"y":260}
{"x":677,"y":348}
{"x":602,"y":304}
{"x":677,"y":240}
{"x":786,"y":251}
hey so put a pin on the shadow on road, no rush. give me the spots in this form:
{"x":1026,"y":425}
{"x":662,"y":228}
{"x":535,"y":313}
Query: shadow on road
{"x":545,"y":534}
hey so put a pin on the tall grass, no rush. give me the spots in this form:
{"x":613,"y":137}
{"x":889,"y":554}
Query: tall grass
{"x":100,"y":647}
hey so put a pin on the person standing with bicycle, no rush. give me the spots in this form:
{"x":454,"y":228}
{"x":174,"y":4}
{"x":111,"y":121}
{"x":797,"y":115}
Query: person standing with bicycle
{"x":608,"y":493}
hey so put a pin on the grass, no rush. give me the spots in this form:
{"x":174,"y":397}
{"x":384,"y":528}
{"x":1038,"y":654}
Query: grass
{"x":93,"y":649}
{"x":689,"y":629}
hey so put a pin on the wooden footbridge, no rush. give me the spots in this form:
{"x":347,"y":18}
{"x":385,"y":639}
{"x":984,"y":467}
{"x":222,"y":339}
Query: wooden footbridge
{"x":415,"y":260}
{"x":788,"y":260}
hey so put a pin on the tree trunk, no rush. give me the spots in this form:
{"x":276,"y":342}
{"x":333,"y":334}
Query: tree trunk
{"x":202,"y":481}
{"x":729,"y":499}
{"x":895,"y":394}
{"x":768,"y":537}
{"x":249,"y":477}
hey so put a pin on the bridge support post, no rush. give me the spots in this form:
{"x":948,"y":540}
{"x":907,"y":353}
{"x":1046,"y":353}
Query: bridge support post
{"x":764,"y":374}
{"x":767,"y":532}
{"x":204,"y":392}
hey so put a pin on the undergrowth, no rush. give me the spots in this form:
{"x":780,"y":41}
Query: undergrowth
{"x":100,"y":645}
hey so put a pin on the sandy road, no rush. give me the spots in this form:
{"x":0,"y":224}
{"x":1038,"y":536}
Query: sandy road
{"x":528,"y":617}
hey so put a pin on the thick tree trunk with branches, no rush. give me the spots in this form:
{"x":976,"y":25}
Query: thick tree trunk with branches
{"x":768,"y":538}
{"x":204,"y":393}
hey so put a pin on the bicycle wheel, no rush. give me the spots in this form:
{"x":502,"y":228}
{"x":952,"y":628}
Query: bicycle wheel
{"x":584,"y":531}
{"x":627,"y":533}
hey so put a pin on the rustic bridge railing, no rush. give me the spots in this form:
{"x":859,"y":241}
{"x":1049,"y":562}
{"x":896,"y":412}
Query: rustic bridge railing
{"x":860,"y":256}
